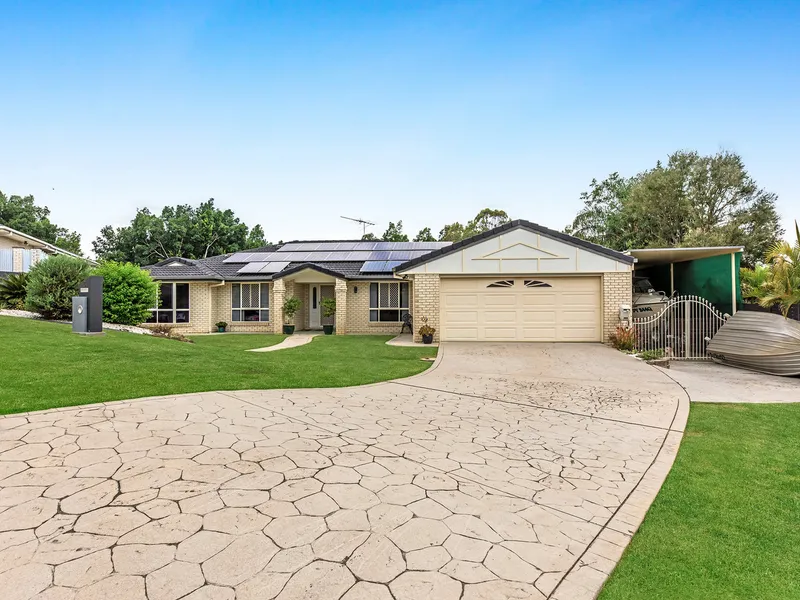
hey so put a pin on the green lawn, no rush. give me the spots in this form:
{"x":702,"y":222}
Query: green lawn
{"x":44,"y":365}
{"x":726,"y":523}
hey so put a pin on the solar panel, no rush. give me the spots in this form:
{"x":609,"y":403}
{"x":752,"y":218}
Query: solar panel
{"x":253,"y":267}
{"x":391,"y":264}
{"x":348,"y":246}
{"x":365,"y":245}
{"x":274,"y":267}
{"x":239,"y":257}
{"x":400,"y":255}
{"x":379,"y":255}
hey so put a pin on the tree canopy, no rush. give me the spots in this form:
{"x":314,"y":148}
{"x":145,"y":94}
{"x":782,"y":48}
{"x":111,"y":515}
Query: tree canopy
{"x":693,"y":200}
{"x":22,"y":213}
{"x":181,"y":230}
{"x":486,"y":219}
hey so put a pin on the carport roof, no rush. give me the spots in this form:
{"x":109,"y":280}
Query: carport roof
{"x":646,"y":257}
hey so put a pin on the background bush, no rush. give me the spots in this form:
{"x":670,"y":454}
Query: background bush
{"x":128,"y":293}
{"x":13,"y":291}
{"x":52,"y":283}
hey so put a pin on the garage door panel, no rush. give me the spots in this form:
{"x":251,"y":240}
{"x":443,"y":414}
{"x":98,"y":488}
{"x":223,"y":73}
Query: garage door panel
{"x":567,"y":310}
{"x":537,"y":317}
{"x":495,"y":300}
{"x":462,"y":317}
{"x":538,"y":334}
{"x":494,"y":317}
{"x":538,"y":298}
{"x":500,"y":333}
{"x":461,"y":301}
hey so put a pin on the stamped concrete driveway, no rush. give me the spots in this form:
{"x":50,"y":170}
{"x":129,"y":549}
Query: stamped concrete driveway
{"x":505,"y":471}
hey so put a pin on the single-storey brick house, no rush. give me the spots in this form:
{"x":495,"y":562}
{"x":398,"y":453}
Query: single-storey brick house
{"x":517,"y":282}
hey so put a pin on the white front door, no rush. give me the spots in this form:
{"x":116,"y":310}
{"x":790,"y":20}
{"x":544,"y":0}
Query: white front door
{"x":314,"y":321}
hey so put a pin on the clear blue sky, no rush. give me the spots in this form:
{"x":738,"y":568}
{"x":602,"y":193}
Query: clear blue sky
{"x":295,"y":112}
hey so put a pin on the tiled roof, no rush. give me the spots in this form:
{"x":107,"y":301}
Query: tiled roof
{"x":214,"y":268}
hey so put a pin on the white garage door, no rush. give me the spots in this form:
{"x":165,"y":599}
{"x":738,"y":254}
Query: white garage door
{"x":529,"y":309}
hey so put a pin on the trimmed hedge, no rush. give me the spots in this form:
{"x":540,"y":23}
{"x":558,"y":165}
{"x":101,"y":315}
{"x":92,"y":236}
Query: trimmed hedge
{"x":128,"y":293}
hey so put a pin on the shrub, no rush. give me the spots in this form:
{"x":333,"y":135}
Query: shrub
{"x":651,"y":354}
{"x":328,"y":307}
{"x":623,"y":338}
{"x":13,"y":291}
{"x":290,"y":308}
{"x":166,"y":331}
{"x":52,"y":283}
{"x":128,"y":293}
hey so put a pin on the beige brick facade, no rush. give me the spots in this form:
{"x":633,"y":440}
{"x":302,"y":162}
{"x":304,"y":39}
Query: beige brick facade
{"x":358,"y":311}
{"x":425,"y":303}
{"x":617,"y":291}
{"x":210,"y":303}
{"x":340,"y":291}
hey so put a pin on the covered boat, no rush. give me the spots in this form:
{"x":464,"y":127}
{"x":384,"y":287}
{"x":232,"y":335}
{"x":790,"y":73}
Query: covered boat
{"x":760,"y":342}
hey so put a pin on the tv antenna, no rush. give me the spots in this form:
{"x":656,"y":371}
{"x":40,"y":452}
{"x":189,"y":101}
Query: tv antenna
{"x":362,"y":222}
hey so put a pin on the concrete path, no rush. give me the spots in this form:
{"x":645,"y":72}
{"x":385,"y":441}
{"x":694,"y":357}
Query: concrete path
{"x":292,"y":341}
{"x":710,"y":382}
{"x":406,"y":339}
{"x":504,"y":472}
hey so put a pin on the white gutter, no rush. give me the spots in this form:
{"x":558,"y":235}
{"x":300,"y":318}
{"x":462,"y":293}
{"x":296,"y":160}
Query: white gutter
{"x":10,"y":232}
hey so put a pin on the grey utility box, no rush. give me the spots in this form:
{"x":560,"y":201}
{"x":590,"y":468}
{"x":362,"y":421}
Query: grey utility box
{"x":80,"y":314}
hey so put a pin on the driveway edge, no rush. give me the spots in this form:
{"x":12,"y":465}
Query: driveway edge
{"x":586,"y":578}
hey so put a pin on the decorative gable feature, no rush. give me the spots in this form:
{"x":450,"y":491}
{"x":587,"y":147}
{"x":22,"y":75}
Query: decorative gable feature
{"x":518,"y":249}
{"x":521,"y":251}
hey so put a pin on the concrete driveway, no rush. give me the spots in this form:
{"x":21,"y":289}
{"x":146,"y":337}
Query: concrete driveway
{"x":710,"y":382}
{"x":505,"y":471}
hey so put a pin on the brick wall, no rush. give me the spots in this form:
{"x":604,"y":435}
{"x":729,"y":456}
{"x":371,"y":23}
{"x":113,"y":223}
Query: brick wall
{"x":221,"y":300}
{"x":201,"y":315}
{"x":617,"y":290}
{"x":340,"y":293}
{"x":425,"y":294}
{"x":358,"y":311}
{"x":276,"y":310}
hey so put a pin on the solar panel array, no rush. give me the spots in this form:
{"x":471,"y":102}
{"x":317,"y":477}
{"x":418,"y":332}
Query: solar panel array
{"x":326,"y":256}
{"x":380,"y":266}
{"x":362,"y":246}
{"x":262,"y":267}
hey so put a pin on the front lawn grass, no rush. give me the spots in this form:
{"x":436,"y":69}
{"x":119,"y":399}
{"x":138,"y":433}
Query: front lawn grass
{"x":45,"y":365}
{"x":726,"y":523}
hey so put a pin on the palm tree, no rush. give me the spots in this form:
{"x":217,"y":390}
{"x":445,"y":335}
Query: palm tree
{"x":783,"y":287}
{"x":754,"y":281}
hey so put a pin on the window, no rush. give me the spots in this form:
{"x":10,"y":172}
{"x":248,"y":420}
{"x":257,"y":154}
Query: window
{"x":250,"y":302}
{"x":388,"y":302}
{"x":172,"y":304}
{"x":503,"y":283}
{"x":535,"y":283}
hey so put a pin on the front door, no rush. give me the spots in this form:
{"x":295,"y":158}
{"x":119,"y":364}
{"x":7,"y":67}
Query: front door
{"x":314,"y":312}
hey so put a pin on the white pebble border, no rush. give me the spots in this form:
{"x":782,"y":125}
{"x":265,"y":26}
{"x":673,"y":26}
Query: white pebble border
{"x":25,"y":314}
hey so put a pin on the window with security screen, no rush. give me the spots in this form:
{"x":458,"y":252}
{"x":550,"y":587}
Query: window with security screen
{"x":250,"y":302}
{"x":388,"y":302}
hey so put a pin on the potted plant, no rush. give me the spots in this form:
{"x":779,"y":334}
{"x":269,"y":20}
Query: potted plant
{"x":221,"y":326}
{"x":290,"y":308}
{"x":426,"y":331}
{"x":328,"y":311}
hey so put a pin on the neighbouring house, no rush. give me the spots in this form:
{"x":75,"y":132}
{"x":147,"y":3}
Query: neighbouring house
{"x":518,"y":282}
{"x":20,"y":251}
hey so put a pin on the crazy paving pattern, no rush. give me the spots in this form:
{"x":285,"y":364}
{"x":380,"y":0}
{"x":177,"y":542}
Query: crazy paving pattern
{"x":486,"y":478}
